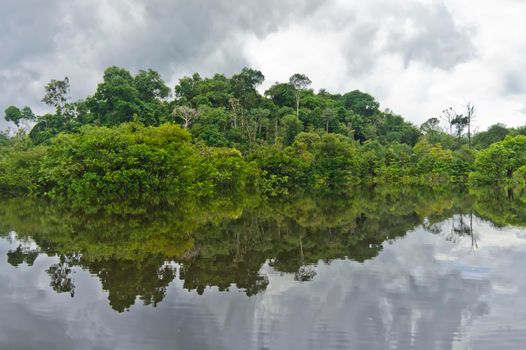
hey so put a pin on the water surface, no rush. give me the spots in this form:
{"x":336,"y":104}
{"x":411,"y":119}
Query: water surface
{"x":378,"y":269}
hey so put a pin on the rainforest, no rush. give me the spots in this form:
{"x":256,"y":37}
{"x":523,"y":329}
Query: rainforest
{"x":137,"y":139}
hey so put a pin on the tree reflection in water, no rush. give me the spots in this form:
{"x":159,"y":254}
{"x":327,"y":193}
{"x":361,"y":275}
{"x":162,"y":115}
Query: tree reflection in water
{"x":135,"y":250}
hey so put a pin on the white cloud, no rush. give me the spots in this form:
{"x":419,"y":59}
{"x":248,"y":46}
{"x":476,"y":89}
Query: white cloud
{"x":417,"y":58}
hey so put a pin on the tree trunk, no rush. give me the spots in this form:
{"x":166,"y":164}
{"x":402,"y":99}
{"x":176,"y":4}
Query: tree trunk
{"x":301,"y":250}
{"x":234,"y":120}
{"x":275,"y":130}
{"x":473,"y":240}
{"x":469,"y":132}
{"x":298,"y":106}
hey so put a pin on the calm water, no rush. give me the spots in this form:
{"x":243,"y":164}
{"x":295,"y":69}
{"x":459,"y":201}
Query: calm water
{"x":405,"y":269}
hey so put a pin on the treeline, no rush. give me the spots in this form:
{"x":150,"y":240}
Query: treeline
{"x":131,"y":139}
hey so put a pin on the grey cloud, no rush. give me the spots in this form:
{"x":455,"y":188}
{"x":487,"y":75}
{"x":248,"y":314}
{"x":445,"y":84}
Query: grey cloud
{"x":432,"y":37}
{"x":417,"y":32}
{"x":45,"y":40}
{"x":27,"y":30}
{"x":514,"y":84}
{"x":359,"y":49}
{"x":514,"y":77}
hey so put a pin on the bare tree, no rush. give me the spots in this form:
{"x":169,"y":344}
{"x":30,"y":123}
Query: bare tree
{"x":470,"y":115}
{"x":187,"y":114}
{"x":449,"y":115}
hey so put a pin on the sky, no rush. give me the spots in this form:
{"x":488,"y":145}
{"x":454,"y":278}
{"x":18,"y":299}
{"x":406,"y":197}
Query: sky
{"x":416,"y":57}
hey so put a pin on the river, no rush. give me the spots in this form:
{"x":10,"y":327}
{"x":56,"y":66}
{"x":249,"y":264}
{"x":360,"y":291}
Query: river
{"x":375,"y":269}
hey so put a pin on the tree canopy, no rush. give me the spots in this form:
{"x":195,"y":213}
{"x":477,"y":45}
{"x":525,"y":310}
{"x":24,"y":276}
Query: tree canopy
{"x":121,"y":140}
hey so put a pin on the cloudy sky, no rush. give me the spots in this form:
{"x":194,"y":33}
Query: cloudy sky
{"x":416,"y":57}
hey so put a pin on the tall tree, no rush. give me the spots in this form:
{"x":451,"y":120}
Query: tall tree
{"x":282,"y":94}
{"x":449,"y":115}
{"x":300,"y":82}
{"x":459,"y":122}
{"x":244,"y":86}
{"x":150,"y":85}
{"x":470,"y":115}
{"x":15,"y":115}
{"x":186,"y":90}
{"x":361,"y":103}
{"x":116,"y":99}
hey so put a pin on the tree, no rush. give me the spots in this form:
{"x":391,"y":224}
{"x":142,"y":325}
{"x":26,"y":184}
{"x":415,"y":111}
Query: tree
{"x":329,"y":115}
{"x":244,"y":86}
{"x":292,"y":127}
{"x":236,"y":111}
{"x":150,"y":85}
{"x":361,"y":103}
{"x":470,"y":115}
{"x":15,"y":115}
{"x":214,"y":92}
{"x":432,"y":125}
{"x":459,"y":122}
{"x":431,"y":160}
{"x":300,"y":82}
{"x":57,"y":94}
{"x":495,"y":133}
{"x":335,"y":162}
{"x":27,"y":114}
{"x":187,"y":114}
{"x":117,"y":99}
{"x":449,"y":115}
{"x":500,"y":160}
{"x":4,"y":139}
{"x":251,"y":123}
{"x":282,"y":94}
{"x":187,"y":87}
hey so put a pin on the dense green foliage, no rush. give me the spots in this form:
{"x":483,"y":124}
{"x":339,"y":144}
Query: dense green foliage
{"x":129,"y":140}
{"x":502,"y":160}
{"x":130,"y":161}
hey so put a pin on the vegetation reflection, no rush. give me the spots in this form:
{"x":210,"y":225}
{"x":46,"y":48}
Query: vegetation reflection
{"x":136,"y":252}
